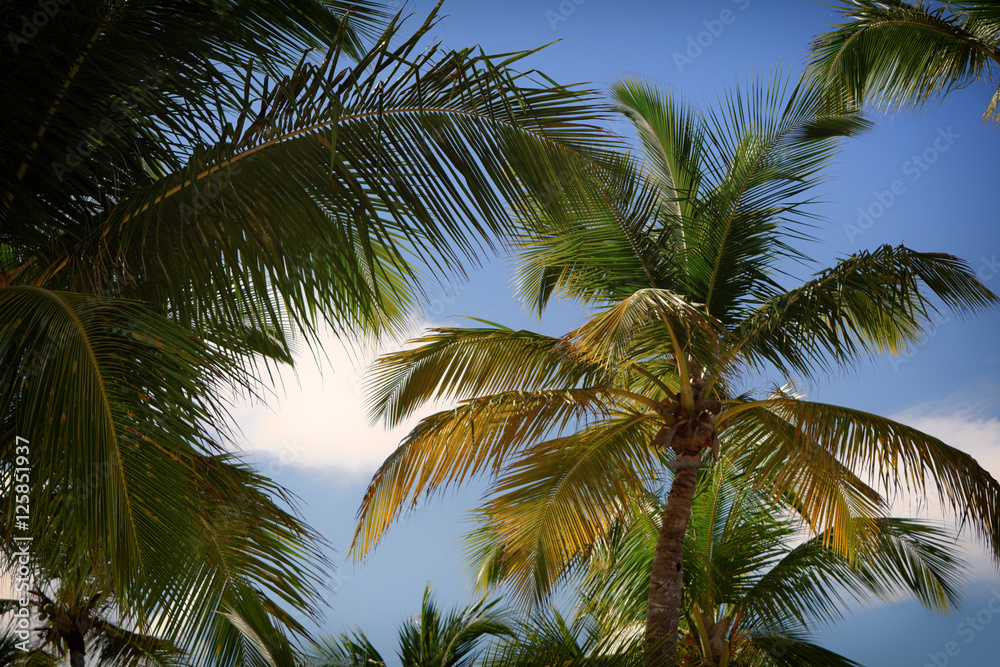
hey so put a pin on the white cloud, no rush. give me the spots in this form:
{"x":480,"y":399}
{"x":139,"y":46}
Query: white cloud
{"x":317,"y":418}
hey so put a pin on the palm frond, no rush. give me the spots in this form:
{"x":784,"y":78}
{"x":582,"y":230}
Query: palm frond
{"x":329,"y":196}
{"x":868,"y":304}
{"x":453,"y":638}
{"x":599,"y":253}
{"x":479,"y":436}
{"x":893,"y":455}
{"x":892,"y":53}
{"x":352,"y":649}
{"x":561,"y":495}
{"x":650,"y":322}
{"x":790,"y":651}
{"x":465,"y":363}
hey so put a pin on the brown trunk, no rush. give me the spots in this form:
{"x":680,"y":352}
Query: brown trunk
{"x":76,"y":646}
{"x":666,"y":577}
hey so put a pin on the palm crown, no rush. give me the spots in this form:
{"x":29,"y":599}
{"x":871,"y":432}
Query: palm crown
{"x":454,"y":638}
{"x":682,"y":261}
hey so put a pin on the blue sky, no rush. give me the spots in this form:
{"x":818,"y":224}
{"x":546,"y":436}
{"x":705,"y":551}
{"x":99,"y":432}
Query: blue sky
{"x":928,"y":180}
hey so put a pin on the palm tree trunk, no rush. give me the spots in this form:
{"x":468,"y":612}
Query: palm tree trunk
{"x":663,"y":614}
{"x":77,"y":648}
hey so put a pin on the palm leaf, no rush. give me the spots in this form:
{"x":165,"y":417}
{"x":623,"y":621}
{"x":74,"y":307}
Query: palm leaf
{"x":893,"y":53}
{"x":446,"y":448}
{"x":869,"y":303}
{"x":464,"y":363}
{"x":561,"y":495}
{"x":893,"y":455}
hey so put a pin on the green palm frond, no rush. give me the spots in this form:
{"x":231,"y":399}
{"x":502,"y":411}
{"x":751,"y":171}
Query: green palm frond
{"x":892,"y":53}
{"x":471,"y":362}
{"x":129,"y":457}
{"x":897,"y":556}
{"x":823,"y":492}
{"x":451,"y":639}
{"x":103,"y":388}
{"x":672,"y":134}
{"x":256,"y":566}
{"x":326,"y":193}
{"x":130,"y":88}
{"x":115,"y":646}
{"x":599,"y":253}
{"x":717,"y":190}
{"x":789,"y":651}
{"x":869,"y":303}
{"x":352,"y":649}
{"x":893,"y":455}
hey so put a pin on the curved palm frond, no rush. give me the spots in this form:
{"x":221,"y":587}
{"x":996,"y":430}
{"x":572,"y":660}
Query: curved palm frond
{"x":130,"y":389}
{"x":599,"y":253}
{"x":892,"y":53}
{"x":481,"y":435}
{"x":352,"y":649}
{"x":893,"y":455}
{"x":561,"y":495}
{"x":869,"y":303}
{"x":466,"y":363}
{"x":896,"y":556}
{"x":791,"y":651}
{"x":329,"y":194}
{"x":130,"y":456}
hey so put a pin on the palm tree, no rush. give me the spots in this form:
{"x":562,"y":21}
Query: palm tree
{"x":218,"y":594}
{"x":894,"y":54}
{"x":80,"y":622}
{"x":682,"y":262}
{"x":751,"y":594}
{"x":430,"y":639}
{"x":186,"y":189}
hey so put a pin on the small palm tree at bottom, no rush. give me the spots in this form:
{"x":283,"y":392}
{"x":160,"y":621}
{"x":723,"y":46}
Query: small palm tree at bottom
{"x":754,"y":587}
{"x":81,"y":620}
{"x":430,"y":639}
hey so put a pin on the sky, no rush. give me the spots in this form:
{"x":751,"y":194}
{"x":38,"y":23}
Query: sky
{"x":926,"y":179}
